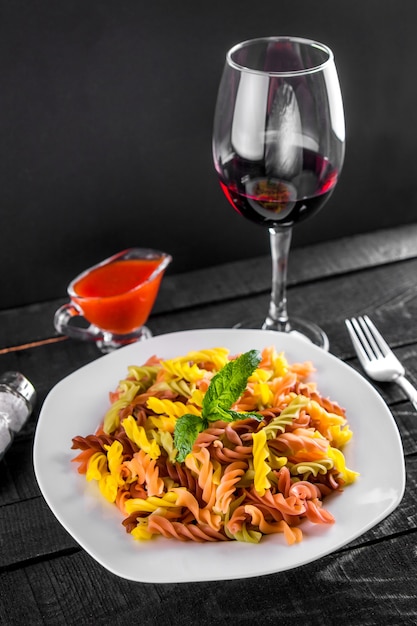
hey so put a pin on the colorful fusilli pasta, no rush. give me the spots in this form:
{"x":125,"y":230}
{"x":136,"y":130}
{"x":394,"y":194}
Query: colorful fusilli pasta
{"x":243,"y":479}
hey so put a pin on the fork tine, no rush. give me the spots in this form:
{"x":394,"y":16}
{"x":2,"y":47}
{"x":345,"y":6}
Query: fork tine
{"x":376,"y":357}
{"x":358,"y":341}
{"x":369,"y":337}
{"x":379,"y":340}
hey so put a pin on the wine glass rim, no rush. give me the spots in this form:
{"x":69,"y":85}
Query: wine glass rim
{"x":300,"y":40}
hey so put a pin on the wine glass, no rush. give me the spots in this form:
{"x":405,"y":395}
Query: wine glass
{"x":278,"y":148}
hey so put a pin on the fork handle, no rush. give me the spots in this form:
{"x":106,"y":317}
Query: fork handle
{"x":409,"y":390}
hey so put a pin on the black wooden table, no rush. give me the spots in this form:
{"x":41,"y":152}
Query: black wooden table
{"x":46,"y":578}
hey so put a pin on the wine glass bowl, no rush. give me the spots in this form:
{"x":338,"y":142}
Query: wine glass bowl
{"x":278,"y":147}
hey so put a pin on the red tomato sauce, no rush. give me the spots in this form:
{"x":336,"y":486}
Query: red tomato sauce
{"x":117,"y":297}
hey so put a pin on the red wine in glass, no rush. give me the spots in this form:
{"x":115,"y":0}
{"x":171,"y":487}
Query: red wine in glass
{"x":272,"y":202}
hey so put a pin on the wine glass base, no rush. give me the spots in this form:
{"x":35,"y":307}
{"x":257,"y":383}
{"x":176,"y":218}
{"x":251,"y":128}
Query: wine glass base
{"x":296,"y":326}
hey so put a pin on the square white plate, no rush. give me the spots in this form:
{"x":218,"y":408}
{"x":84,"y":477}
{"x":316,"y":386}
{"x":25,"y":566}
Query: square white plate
{"x":77,"y":404}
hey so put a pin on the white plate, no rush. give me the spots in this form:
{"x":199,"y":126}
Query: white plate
{"x":76,"y":405}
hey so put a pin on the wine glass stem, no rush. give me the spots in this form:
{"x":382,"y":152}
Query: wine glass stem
{"x":277,"y":318}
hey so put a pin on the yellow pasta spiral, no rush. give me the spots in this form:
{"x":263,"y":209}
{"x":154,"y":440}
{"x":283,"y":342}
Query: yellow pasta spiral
{"x":260,"y":454}
{"x":337,"y":456}
{"x":108,"y":487}
{"x":114,"y":460}
{"x":260,"y":376}
{"x":263,"y":395}
{"x":138,"y":434}
{"x":178,"y":370}
{"x":162,"y":423}
{"x":97,"y":466}
{"x":197,"y":398}
{"x":340,"y":435}
{"x":170,"y":408}
{"x":217,"y":356}
{"x":140,"y":532}
{"x":279,"y":363}
{"x":151,"y":504}
{"x":186,"y":367}
{"x":312,"y":467}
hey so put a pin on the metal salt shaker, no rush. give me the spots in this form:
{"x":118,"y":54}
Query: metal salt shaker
{"x":17,"y":399}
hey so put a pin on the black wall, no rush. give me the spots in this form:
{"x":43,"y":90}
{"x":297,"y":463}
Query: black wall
{"x":106,"y":113}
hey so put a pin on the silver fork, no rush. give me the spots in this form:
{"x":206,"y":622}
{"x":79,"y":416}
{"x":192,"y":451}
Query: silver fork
{"x":376,"y":357}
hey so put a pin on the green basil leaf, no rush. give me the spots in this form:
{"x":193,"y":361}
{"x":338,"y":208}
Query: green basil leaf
{"x":236,"y":415}
{"x":186,"y":430}
{"x":229,"y":383}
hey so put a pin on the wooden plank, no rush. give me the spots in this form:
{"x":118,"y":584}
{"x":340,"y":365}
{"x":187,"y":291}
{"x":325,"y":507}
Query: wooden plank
{"x":18,"y":602}
{"x":30,"y":531}
{"x":17,"y":476}
{"x":375,"y":580}
{"x":47,"y":364}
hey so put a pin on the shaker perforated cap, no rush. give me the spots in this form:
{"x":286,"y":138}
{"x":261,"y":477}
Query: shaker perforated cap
{"x":19,"y":384}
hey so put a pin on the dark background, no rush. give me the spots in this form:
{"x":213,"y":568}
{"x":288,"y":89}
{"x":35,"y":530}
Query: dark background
{"x":106,"y":113}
